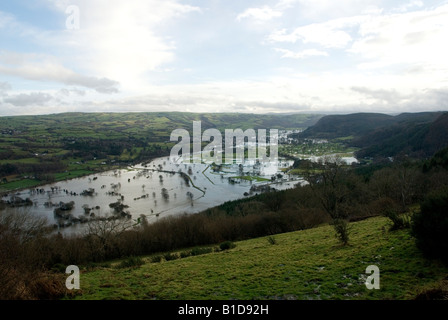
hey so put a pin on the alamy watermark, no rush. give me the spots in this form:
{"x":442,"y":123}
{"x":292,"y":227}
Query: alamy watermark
{"x":373,"y":280}
{"x":72,"y":281}
{"x":260,"y":148}
{"x":73,"y":20}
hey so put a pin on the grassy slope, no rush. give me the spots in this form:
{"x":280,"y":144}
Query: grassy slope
{"x":308,"y":264}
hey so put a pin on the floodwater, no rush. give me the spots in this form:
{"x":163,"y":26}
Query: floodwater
{"x":140,"y":188}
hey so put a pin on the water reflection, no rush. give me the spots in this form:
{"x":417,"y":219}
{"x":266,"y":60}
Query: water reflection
{"x":157,"y":189}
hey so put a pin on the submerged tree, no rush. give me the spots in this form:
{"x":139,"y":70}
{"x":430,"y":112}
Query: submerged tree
{"x":165,"y":194}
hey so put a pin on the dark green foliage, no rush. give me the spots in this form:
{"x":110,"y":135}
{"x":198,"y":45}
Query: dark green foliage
{"x":227,"y":245}
{"x":420,"y":138}
{"x":399,"y":220}
{"x":272,"y":240}
{"x":342,"y":229}
{"x":171,"y":256}
{"x":390,"y":209}
{"x":380,"y":136}
{"x":156,"y":259}
{"x":440,"y":160}
{"x":185,"y":254}
{"x":430,"y":225}
{"x":198,"y":251}
{"x":131,"y":262}
{"x":334,"y":126}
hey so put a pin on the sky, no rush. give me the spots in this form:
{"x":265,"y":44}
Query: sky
{"x":276,"y":56}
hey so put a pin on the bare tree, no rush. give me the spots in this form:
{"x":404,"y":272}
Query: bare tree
{"x":18,"y":264}
{"x":326,"y":179}
{"x":104,"y":232}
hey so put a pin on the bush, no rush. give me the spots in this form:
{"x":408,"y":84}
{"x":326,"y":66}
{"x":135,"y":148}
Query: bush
{"x":272,"y":240}
{"x":430,"y":225}
{"x":185,"y":254}
{"x":391,"y":210}
{"x":131,"y":262}
{"x":342,"y":229}
{"x":198,"y":251}
{"x":226,"y":245}
{"x":170,"y":256}
{"x":156,"y":259}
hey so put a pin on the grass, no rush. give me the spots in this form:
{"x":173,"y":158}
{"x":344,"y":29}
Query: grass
{"x":72,"y":174}
{"x":251,"y":178}
{"x":303,"y":265}
{"x":20,"y":184}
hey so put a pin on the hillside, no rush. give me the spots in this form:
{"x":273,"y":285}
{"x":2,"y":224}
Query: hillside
{"x":358,"y":124}
{"x":303,"y":265}
{"x":418,"y":135}
{"x":420,"y":139}
{"x":335,"y":126}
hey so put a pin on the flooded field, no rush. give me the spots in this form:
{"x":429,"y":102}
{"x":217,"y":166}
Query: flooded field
{"x":156,"y":189}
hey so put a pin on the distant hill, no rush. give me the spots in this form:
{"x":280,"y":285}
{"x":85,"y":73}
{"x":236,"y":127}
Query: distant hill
{"x":336,"y":126}
{"x":380,"y":135}
{"x":418,"y":139}
{"x":358,"y":124}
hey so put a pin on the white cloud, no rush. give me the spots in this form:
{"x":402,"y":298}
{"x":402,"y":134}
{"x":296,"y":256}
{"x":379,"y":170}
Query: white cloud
{"x":325,"y":10}
{"x":48,"y":69}
{"x":330,"y":34}
{"x":38,"y":99}
{"x":412,"y":4}
{"x":118,"y":39}
{"x":4,"y":86}
{"x":301,"y":54}
{"x":409,"y":38}
{"x":264,"y":13}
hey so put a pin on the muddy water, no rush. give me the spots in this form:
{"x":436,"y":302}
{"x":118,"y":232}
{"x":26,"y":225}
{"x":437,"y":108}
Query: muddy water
{"x":139,"y":188}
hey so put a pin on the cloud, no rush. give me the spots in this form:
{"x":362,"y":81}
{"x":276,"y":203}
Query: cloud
{"x":48,"y":69}
{"x":412,"y":4}
{"x":330,"y":34}
{"x":381,"y":96}
{"x":68,"y":92}
{"x":326,"y":10}
{"x":32,"y":99}
{"x":120,"y":40}
{"x":263,"y":14}
{"x":412,"y":38}
{"x":301,"y":54}
{"x":5,"y":19}
{"x":5,"y":86}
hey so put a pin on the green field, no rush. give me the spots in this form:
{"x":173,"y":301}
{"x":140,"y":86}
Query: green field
{"x":304,"y":265}
{"x":251,"y":178}
{"x":45,"y":147}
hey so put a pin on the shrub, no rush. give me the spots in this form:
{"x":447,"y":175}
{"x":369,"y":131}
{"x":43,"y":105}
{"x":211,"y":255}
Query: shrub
{"x":131,"y":262}
{"x":399,"y":220}
{"x":430,"y":225}
{"x":170,"y":256}
{"x":47,"y":286}
{"x":198,"y":251}
{"x":226,"y":245}
{"x":272,"y":240}
{"x":342,"y":229}
{"x":156,"y":259}
{"x":390,"y":209}
{"x":185,"y":254}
